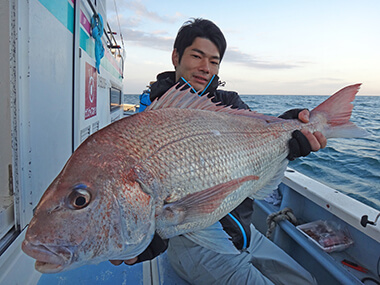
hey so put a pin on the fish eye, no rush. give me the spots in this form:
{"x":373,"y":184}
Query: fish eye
{"x":79,"y":198}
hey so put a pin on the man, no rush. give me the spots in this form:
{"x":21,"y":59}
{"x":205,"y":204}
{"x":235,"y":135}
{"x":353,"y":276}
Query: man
{"x":198,"y":50}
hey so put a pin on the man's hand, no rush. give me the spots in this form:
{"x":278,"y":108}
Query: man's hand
{"x":303,"y":142}
{"x":128,"y":261}
{"x":157,"y":246}
{"x":317,"y":140}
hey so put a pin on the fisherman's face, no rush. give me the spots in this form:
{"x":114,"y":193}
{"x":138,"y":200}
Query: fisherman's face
{"x":199,"y":63}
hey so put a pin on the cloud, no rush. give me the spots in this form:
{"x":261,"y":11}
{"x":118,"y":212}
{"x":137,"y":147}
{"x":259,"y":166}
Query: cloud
{"x":130,"y":26}
{"x":159,"y":39}
{"x":237,"y":56}
{"x":134,"y":37}
{"x":151,"y":40}
{"x":156,"y":39}
{"x":140,"y":10}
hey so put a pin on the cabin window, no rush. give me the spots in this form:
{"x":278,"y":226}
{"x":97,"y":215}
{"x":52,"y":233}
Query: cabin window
{"x":115,"y":99}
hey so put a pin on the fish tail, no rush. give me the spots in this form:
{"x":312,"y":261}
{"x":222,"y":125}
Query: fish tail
{"x":338,"y":110}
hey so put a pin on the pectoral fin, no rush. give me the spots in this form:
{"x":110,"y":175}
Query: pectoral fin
{"x":203,"y":202}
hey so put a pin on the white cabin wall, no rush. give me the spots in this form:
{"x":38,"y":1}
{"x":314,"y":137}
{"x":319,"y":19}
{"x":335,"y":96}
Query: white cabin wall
{"x":42,"y":92}
{"x":5,"y":115}
{"x":51,"y":76}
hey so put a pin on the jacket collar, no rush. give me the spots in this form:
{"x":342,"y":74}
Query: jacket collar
{"x":166,"y":80}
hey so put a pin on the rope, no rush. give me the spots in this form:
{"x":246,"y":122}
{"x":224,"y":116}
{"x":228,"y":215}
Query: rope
{"x":118,"y":22}
{"x":274,"y":218}
{"x":97,"y":32}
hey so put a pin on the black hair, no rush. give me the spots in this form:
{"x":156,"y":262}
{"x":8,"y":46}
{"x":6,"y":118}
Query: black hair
{"x":199,"y":28}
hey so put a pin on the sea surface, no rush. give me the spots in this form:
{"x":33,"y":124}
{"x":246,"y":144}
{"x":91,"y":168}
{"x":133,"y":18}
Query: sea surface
{"x":351,"y":166}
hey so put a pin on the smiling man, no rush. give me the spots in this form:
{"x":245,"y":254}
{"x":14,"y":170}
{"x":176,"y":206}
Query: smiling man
{"x":251,"y":258}
{"x":198,"y":64}
{"x":198,"y":51}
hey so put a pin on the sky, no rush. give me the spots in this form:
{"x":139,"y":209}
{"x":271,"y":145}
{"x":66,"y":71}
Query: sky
{"x":292,"y":47}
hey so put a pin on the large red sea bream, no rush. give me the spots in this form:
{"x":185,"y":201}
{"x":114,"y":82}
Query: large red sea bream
{"x":176,"y":168}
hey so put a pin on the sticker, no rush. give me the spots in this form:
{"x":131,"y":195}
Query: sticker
{"x":90,"y":92}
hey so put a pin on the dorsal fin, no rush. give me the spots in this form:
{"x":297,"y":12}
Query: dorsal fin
{"x":183,"y":99}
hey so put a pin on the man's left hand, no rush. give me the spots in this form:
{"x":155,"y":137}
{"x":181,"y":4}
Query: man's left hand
{"x":303,"y":141}
{"x":317,"y":140}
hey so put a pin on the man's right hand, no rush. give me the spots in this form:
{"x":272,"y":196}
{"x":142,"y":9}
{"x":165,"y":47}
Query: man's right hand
{"x":155,"y":248}
{"x":128,"y":261}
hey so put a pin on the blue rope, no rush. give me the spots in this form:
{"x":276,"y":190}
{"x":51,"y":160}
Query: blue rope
{"x":189,"y":84}
{"x":241,"y":229}
{"x":207,"y":85}
{"x":97,"y":32}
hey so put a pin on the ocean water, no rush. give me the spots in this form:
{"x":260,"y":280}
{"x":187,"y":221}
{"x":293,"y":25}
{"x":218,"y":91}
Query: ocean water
{"x":351,"y":166}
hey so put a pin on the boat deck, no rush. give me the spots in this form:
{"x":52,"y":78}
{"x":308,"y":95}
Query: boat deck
{"x":155,"y":272}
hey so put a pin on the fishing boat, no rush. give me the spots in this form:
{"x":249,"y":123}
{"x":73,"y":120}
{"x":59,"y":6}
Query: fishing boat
{"x":59,"y":90}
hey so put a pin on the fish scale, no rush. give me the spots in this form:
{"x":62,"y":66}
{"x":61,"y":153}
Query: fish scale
{"x":192,"y":147}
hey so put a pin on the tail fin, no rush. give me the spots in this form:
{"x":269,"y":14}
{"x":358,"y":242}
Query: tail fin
{"x":338,"y":109}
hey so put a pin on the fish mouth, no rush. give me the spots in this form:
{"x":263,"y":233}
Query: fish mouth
{"x":49,"y":258}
